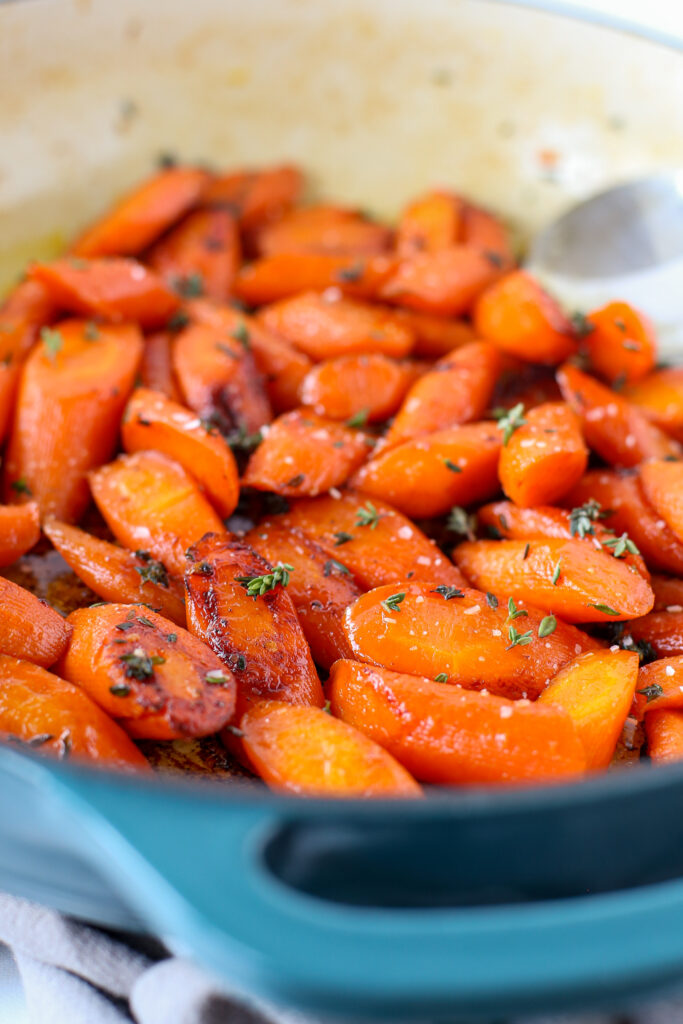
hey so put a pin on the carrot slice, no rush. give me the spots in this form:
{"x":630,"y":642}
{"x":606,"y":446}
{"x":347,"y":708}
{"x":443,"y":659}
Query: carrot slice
{"x":329,"y":325}
{"x":660,"y":685}
{"x":155,"y":678}
{"x":330,"y":230}
{"x":659,"y":396}
{"x":521,"y":318}
{"x":445,"y":734}
{"x":54,"y":717}
{"x":305,"y":751}
{"x":256,"y":197}
{"x":529,"y":385}
{"x":72,"y":393}
{"x":664,"y":731}
{"x":370,"y":386}
{"x":150,"y":502}
{"x":662,"y":483}
{"x":435,"y":336}
{"x":201,"y":254}
{"x":29,"y":628}
{"x":544,"y":457}
{"x":289,"y":273}
{"x":621,"y":343}
{"x":432,"y":631}
{"x":612,"y":426}
{"x":662,"y":631}
{"x":596,"y":690}
{"x":429,"y":223}
{"x":156,"y":368}
{"x":668,"y":591}
{"x":427,"y":476}
{"x":457,"y":390}
{"x":483,"y":230}
{"x":19,"y":530}
{"x":113,"y":289}
{"x":446,"y":282}
{"x":118,"y":575}
{"x":569,"y":577}
{"x":320,"y":595}
{"x":145,"y":213}
{"x":305,"y":454}
{"x":152,"y":421}
{"x":371,"y":540}
{"x":27,"y":308}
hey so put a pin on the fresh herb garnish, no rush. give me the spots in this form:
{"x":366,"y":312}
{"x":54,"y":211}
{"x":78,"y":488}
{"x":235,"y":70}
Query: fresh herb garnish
{"x":518,"y":639}
{"x":449,"y":464}
{"x":238,"y":440}
{"x":124,"y":626}
{"x":140,"y":665}
{"x":21,"y":487}
{"x":391,"y":604}
{"x":441,"y":678}
{"x":189,"y":286}
{"x":581,"y":324}
{"x":52,"y":340}
{"x":367,"y":515}
{"x":332,"y":565}
{"x":257,"y":586}
{"x":556,"y":572}
{"x":621,"y":545}
{"x":152,"y":571}
{"x":605,"y":608}
{"x":202,"y":569}
{"x":359,"y":419}
{"x":342,"y":537}
{"x":510,"y":420}
{"x":525,"y":553}
{"x":352,"y":273}
{"x":241,"y":334}
{"x":491,"y":600}
{"x":460,"y":522}
{"x":172,"y":637}
{"x":547,"y":625}
{"x":581,"y":519}
{"x":178,"y":321}
{"x":144,"y":621}
{"x":217,"y":677}
{"x":651,"y":692}
{"x":448,"y":593}
{"x":119,"y":690}
{"x":514,"y":612}
{"x":296,"y":481}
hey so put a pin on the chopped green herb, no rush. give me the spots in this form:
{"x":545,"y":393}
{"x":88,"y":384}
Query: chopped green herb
{"x":172,"y":637}
{"x":240,"y":440}
{"x":119,"y":690}
{"x":460,"y":522}
{"x":448,"y":593}
{"x":651,"y":692}
{"x":491,"y":600}
{"x":449,"y":464}
{"x":202,"y":569}
{"x":178,"y":321}
{"x":518,"y":639}
{"x":621,"y":545}
{"x":342,"y":537}
{"x":581,"y":519}
{"x":605,"y":608}
{"x":21,"y":487}
{"x":140,"y":665}
{"x":556,"y":572}
{"x":359,"y":419}
{"x":189,"y":286}
{"x":334,"y":566}
{"x":238,"y":662}
{"x":547,"y":625}
{"x":257,"y":586}
{"x":52,"y":340}
{"x":525,"y":553}
{"x":581,"y":324}
{"x":296,"y":481}
{"x":510,"y":420}
{"x":152,"y":571}
{"x":352,"y":273}
{"x":391,"y":604}
{"x":441,"y":678}
{"x":514,"y":612}
{"x":367,"y":515}
{"x":144,"y":621}
{"x":327,"y":707}
{"x":91,"y":331}
{"x":217,"y":677}
{"x":124,"y":626}
{"x":241,"y":334}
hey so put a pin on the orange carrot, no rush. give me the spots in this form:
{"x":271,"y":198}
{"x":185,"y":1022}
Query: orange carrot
{"x":26,"y":309}
{"x":29,"y":628}
{"x":521,"y":318}
{"x":435,"y":336}
{"x":484,"y":231}
{"x":330,"y":230}
{"x":663,"y":631}
{"x":288,"y":273}
{"x":621,"y":343}
{"x":256,"y":197}
{"x":668,"y":591}
{"x":156,"y":368}
{"x":664,"y":731}
{"x":202,"y":254}
{"x":367,"y":386}
{"x":659,"y":686}
{"x":446,"y":282}
{"x":659,"y":396}
{"x":19,"y":530}
{"x":429,"y":223}
{"x":544,"y":457}
{"x":662,"y":483}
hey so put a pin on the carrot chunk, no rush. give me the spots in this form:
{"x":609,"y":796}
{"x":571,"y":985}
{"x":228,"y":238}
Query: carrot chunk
{"x":256,"y":197}
{"x":331,"y":230}
{"x":659,"y":396}
{"x":659,"y":686}
{"x":445,"y":734}
{"x":288,"y":273}
{"x":662,"y":483}
{"x":662,"y":631}
{"x":155,"y":678}
{"x":29,"y":628}
{"x":664,"y":731}
{"x":156,"y":368}
{"x":668,"y":591}
{"x":429,"y":223}
{"x":201,"y":255}
{"x":72,"y":393}
{"x":305,"y":751}
{"x":368,"y":386}
{"x":446,"y":282}
{"x":521,"y":318}
{"x":484,"y":231}
{"x":544,"y":457}
{"x":435,"y":336}
{"x":19,"y":530}
{"x":621,"y":344}
{"x":26,"y":309}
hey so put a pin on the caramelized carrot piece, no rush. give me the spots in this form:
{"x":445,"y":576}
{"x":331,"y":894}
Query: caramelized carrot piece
{"x":328,"y":326}
{"x":531,"y":386}
{"x":569,"y":577}
{"x":429,"y":223}
{"x":320,"y":594}
{"x":445,"y":734}
{"x":152,"y":421}
{"x":29,"y":628}
{"x":432,"y":631}
{"x":370,"y":386}
{"x":54,"y":717}
{"x":371,"y":540}
{"x":435,"y":336}
{"x":329,"y":230}
{"x":520,"y":317}
{"x":446,"y":282}
{"x":668,"y":591}
{"x":457,"y":390}
{"x":142,"y":215}
{"x":72,"y":393}
{"x":19,"y":530}
{"x":429,"y":475}
{"x":664,"y":731}
{"x":596,"y":691}
{"x":202,"y":253}
{"x":150,"y":502}
{"x":663,"y":631}
{"x":256,"y":197}
{"x":662,"y":483}
{"x":118,"y":575}
{"x":621,"y":344}
{"x":155,"y":678}
{"x":26,"y":309}
{"x":156,"y":368}
{"x":612,"y":426}
{"x":482,"y":230}
{"x":659,"y":687}
{"x":544,"y":457}
{"x":288,"y":273}
{"x":304,"y":454}
{"x":113,"y":289}
{"x":659,"y":396}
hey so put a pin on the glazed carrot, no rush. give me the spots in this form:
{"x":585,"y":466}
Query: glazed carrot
{"x":72,"y":393}
{"x":152,"y":421}
{"x":429,"y":475}
{"x":19,"y":530}
{"x":304,"y":454}
{"x":329,"y":325}
{"x":596,"y":691}
{"x":521,"y":318}
{"x":258,"y":637}
{"x":368,"y":386}
{"x":29,"y":628}
{"x":530,"y":386}
{"x":320,"y":595}
{"x":446,"y":282}
{"x":201,"y":255}
{"x":664,"y":731}
{"x":621,"y":343}
{"x":663,"y":631}
{"x":659,"y":396}
{"x":150,"y":502}
{"x":568,"y":577}
{"x":26,"y":309}
{"x":114,"y":289}
{"x":483,"y":230}
{"x":429,"y":223}
{"x":118,"y":575}
{"x":371,"y":540}
{"x":435,"y":336}
{"x":612,"y":426}
{"x":144,"y":214}
{"x":445,"y":734}
{"x":54,"y":717}
{"x":668,"y":591}
{"x":331,"y":230}
{"x":544,"y":457}
{"x":156,"y":368}
{"x":458,"y":389}
{"x":155,"y":678}
{"x":288,"y":273}
{"x":432,"y":631}
{"x":256,"y":197}
{"x":305,"y":751}
{"x":659,"y":686}
{"x":662,"y":483}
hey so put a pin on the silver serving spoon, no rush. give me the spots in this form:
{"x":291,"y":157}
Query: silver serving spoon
{"x":624,"y":243}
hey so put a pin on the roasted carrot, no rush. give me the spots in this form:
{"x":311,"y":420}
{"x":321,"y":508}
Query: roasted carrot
{"x":621,"y":343}
{"x":429,"y":223}
{"x":596,"y":690}
{"x":152,"y":421}
{"x":435,"y":336}
{"x":304,"y":454}
{"x":155,"y":678}
{"x":288,"y":273}
{"x":426,"y":630}
{"x":659,"y":686}
{"x":72,"y":393}
{"x":446,"y":282}
{"x":484,"y":231}
{"x":664,"y":731}
{"x":256,"y":197}
{"x":521,"y":318}
{"x":144,"y":213}
{"x":668,"y":591}
{"x":662,"y":483}
{"x":19,"y":530}
{"x":448,"y":735}
{"x":659,"y":396}
{"x":54,"y":717}
{"x":156,"y":368}
{"x":118,"y":575}
{"x":370,"y":387}
{"x":428,"y":475}
{"x":528,"y":385}
{"x":662,"y":631}
{"x":305,"y":751}
{"x":26,"y":309}
{"x":544,"y":456}
{"x":29,"y":628}
{"x":150,"y":502}
{"x":202,"y":254}
{"x":331,"y":230}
